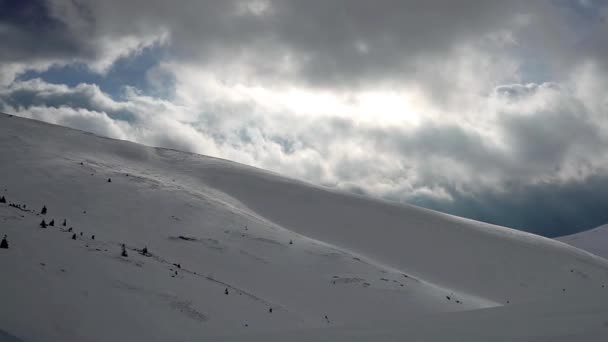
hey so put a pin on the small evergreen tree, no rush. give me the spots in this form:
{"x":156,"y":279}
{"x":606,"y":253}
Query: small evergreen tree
{"x":43,"y":211}
{"x":43,"y":224}
{"x":109,"y":180}
{"x":65,"y":222}
{"x":4,"y":243}
{"x":74,"y":236}
{"x":124,"y":251}
{"x":52,"y":223}
{"x":145,"y":251}
{"x":226,"y":291}
{"x":92,"y":237}
{"x":2,"y":199}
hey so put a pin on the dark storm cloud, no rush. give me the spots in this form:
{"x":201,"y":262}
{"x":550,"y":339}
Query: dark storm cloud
{"x":567,"y":34}
{"x":29,"y":32}
{"x":543,"y":146}
{"x":550,"y":209}
{"x":323,"y":43}
{"x":333,"y":42}
{"x":359,"y":40}
{"x":559,"y":134}
{"x":549,"y":137}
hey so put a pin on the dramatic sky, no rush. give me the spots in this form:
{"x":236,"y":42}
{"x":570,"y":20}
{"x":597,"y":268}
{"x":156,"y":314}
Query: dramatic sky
{"x":493,"y":110}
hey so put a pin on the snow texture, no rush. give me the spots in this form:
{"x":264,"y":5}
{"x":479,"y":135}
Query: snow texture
{"x":332,"y":266}
{"x":594,"y":241}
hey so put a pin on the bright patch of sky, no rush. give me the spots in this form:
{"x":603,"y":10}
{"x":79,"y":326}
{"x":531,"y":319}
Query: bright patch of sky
{"x":139,"y":70}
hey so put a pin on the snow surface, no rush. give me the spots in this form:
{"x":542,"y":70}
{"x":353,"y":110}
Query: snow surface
{"x":594,"y":241}
{"x":377,"y":270}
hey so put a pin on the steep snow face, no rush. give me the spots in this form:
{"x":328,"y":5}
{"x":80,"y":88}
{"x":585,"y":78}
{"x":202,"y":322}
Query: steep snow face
{"x":594,"y":241}
{"x":227,"y":243}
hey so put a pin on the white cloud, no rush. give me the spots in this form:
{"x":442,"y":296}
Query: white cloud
{"x":404,"y":100}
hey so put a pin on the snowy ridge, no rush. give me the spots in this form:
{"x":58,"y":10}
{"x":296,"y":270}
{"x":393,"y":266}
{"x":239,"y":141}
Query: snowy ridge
{"x":594,"y":240}
{"x":297,"y":261}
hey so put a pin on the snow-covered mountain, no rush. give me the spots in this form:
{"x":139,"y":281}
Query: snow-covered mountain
{"x":594,"y":241}
{"x":236,"y":253}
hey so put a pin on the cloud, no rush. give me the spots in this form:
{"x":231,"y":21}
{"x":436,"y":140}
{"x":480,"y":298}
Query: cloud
{"x":39,"y":34}
{"x":548,"y":208}
{"x":320,"y":43}
{"x":480,"y":108}
{"x":138,"y":118}
{"x":29,"y":32}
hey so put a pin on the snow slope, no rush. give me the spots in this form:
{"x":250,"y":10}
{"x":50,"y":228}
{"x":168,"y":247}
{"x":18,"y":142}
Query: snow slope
{"x":594,"y":240}
{"x":376,"y":270}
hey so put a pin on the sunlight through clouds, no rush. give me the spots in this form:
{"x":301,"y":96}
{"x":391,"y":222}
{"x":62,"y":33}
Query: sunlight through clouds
{"x":429,"y":102}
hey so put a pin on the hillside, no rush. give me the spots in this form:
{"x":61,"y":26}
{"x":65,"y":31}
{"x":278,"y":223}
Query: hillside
{"x":594,"y":240}
{"x":227,"y":243}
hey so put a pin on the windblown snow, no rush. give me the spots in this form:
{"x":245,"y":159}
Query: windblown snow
{"x":235,"y":253}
